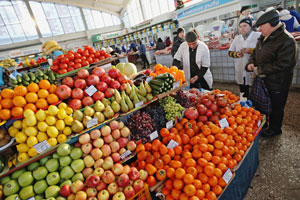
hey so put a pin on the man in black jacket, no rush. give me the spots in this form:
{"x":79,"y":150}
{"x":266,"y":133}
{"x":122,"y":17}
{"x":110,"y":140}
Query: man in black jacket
{"x":178,"y":40}
{"x":275,"y":57}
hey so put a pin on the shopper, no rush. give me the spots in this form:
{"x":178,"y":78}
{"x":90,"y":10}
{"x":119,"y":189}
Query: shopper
{"x":178,"y":40}
{"x":291,"y":23}
{"x":142,"y":50}
{"x":168,"y":42}
{"x":240,"y":49}
{"x":275,"y":57}
{"x":133,"y":46}
{"x":160,"y":44}
{"x":123,"y":48}
{"x":195,"y":57}
{"x":245,"y":13}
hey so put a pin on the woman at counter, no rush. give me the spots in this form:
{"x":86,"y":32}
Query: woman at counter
{"x":160,"y":44}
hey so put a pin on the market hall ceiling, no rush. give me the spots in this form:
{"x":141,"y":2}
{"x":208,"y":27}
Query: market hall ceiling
{"x":115,"y":7}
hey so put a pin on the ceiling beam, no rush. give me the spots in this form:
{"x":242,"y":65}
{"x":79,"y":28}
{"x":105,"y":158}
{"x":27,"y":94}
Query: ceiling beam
{"x":126,"y":3}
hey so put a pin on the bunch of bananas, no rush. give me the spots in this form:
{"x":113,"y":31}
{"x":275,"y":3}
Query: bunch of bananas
{"x":11,"y":162}
{"x":50,"y":46}
{"x":8,"y":62}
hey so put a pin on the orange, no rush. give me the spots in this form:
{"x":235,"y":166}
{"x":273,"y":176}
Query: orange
{"x":197,"y":183}
{"x":203,"y":178}
{"x":200,"y":194}
{"x":209,"y":170}
{"x":33,"y":87}
{"x":7,"y":93}
{"x":20,"y":90}
{"x":188,"y":179}
{"x":19,"y":101}
{"x":206,"y":187}
{"x":189,"y":190}
{"x":5,"y":114}
{"x":44,"y":84}
{"x":31,"y":97}
{"x":43,"y":94}
{"x":52,"y":89}
{"x":207,"y":156}
{"x":52,"y":99}
{"x":213,"y":181}
{"x":178,"y":184}
{"x":17,"y":112}
{"x":218,"y":172}
{"x":183,"y":197}
{"x":211,"y":195}
{"x":170,"y":172}
{"x":169,"y":184}
{"x":41,"y":103}
{"x":193,"y":171}
{"x":7,"y":103}
{"x":179,"y":173}
{"x":217,"y":189}
{"x":175,"y":193}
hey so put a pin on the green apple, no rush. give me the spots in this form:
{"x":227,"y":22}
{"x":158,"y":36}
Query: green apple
{"x":60,"y":198}
{"x":52,"y":191}
{"x":44,"y":160}
{"x":66,"y":182}
{"x":25,"y":179}
{"x":16,"y":174}
{"x":4,"y":180}
{"x":64,"y":150}
{"x":53,"y":178}
{"x":13,"y":197}
{"x":65,"y":161}
{"x":40,"y":173}
{"x":40,"y":187}
{"x":77,"y":165}
{"x":11,"y":187}
{"x":66,"y":172}
{"x":33,"y":166}
{"x":55,"y":155}
{"x":38,"y":197}
{"x":76,"y":153}
{"x":26,"y":192}
{"x":52,"y":165}
{"x":78,"y":176}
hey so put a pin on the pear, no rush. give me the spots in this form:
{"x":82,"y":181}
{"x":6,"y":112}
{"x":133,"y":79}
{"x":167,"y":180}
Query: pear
{"x":77,"y":126}
{"x":85,"y":120}
{"x":135,"y":99}
{"x":135,"y":89}
{"x":142,"y":90}
{"x":106,"y":102}
{"x":111,"y":99}
{"x":117,"y":96}
{"x":149,"y":97}
{"x":123,"y":94}
{"x":147,"y":87}
{"x":99,"y":106}
{"x":129,"y":103}
{"x":124,"y":106}
{"x":132,"y":94}
{"x":141,"y":98}
{"x":100,"y":117}
{"x":108,"y":112}
{"x":115,"y":106}
{"x":78,"y":115}
{"x":88,"y":111}
{"x":128,"y":88}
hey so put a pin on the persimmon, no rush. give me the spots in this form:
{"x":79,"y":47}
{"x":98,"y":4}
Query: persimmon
{"x":165,"y":191}
{"x":156,"y":145}
{"x":151,"y":181}
{"x":168,"y":184}
{"x":178,"y":150}
{"x":166,"y":158}
{"x":190,"y":132}
{"x":159,"y":164}
{"x":148,"y":146}
{"x":142,"y":155}
{"x":141,"y":164}
{"x":161,"y":174}
{"x":185,"y":138}
{"x":150,"y":169}
{"x":140,"y":147}
{"x":163,"y":149}
{"x":156,"y":154}
{"x":150,"y":159}
{"x":164,"y":132}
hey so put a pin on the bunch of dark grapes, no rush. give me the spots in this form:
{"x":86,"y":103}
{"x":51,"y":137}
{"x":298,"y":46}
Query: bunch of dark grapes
{"x":182,"y":97}
{"x":157,"y":113}
{"x":141,"y":125}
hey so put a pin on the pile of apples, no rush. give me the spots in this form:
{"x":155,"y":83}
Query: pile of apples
{"x":105,"y":176}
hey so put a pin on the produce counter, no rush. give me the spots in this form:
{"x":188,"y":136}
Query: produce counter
{"x":164,"y":59}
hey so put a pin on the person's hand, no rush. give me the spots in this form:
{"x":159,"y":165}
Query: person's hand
{"x":246,"y":50}
{"x":250,"y":67}
{"x":239,"y":54}
{"x":194,"y":79}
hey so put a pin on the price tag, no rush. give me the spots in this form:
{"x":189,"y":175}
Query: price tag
{"x":139,"y":104}
{"x":125,"y":154}
{"x":149,"y":78}
{"x":169,"y":124}
{"x":182,"y":114}
{"x":223,"y":123}
{"x":227,"y":176}
{"x":91,"y":90}
{"x":31,"y":198}
{"x":220,"y":95}
{"x":106,"y":66}
{"x":41,"y":146}
{"x":153,"y":135}
{"x":259,"y":123}
{"x":176,"y":84}
{"x":172,"y":144}
{"x":92,"y":122}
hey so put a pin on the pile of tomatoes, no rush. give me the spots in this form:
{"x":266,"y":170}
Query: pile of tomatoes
{"x":83,"y":57}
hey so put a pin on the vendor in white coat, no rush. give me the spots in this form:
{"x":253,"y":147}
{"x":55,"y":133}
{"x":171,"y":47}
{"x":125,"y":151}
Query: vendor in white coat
{"x":195,"y":57}
{"x":241,"y":48}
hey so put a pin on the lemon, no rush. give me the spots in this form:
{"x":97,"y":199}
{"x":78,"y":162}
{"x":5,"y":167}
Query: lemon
{"x":61,"y":138}
{"x":52,"y":131}
{"x":28,"y":113}
{"x":13,"y":131}
{"x":52,"y":110}
{"x":41,"y":115}
{"x":68,"y":120}
{"x":32,"y":140}
{"x":32,"y":152}
{"x":17,"y":124}
{"x":24,"y":125}
{"x":31,"y":120}
{"x":31,"y":131}
{"x":22,"y":157}
{"x":61,"y":114}
{"x":69,"y":110}
{"x":67,"y":130}
{"x":41,"y":136}
{"x":21,"y":137}
{"x":22,"y":148}
{"x":62,"y":105}
{"x":42,"y":126}
{"x":52,"y":142}
{"x":50,"y":120}
{"x":60,"y":124}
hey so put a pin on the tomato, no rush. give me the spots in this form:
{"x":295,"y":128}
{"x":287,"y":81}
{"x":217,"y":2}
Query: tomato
{"x":101,"y":57}
{"x":107,"y":55}
{"x":79,"y":51}
{"x":83,"y":58}
{"x":54,"y":68}
{"x":92,"y":56}
{"x":90,"y":60}
{"x":77,"y":60}
{"x":86,"y":53}
{"x":91,"y":51}
{"x":63,"y":66}
{"x":70,"y":69}
{"x":71,"y":64}
{"x":62,"y":71}
{"x":56,"y":62}
{"x":60,"y":57}
{"x":70,"y":56}
{"x":84,"y":63}
{"x":77,"y":55}
{"x":71,"y":51}
{"x":65,"y":60}
{"x":102,"y":52}
{"x":96,"y":60}
{"x":77,"y":66}
{"x":97,"y":54}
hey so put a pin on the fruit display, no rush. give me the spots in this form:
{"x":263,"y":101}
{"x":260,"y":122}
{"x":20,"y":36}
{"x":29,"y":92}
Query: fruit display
{"x":188,"y":98}
{"x":162,"y":83}
{"x":231,"y":98}
{"x":172,"y":109}
{"x":52,"y":125}
{"x":35,"y":96}
{"x":8,"y":62}
{"x":4,"y":138}
{"x":178,"y":75}
{"x":72,"y":61}
{"x":50,"y":46}
{"x":157,"y":113}
{"x":47,"y":177}
{"x":127,"y":69}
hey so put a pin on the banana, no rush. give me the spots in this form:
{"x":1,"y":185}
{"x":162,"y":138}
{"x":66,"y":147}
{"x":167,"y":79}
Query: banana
{"x":48,"y":42}
{"x":49,"y":46}
{"x":53,"y":49}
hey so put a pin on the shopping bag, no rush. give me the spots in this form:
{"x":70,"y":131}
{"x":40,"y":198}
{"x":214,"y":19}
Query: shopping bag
{"x":259,"y":96}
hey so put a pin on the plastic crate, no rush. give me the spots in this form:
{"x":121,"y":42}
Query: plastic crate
{"x":144,"y":194}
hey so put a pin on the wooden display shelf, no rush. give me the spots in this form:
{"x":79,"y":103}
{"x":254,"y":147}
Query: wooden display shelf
{"x":163,"y":95}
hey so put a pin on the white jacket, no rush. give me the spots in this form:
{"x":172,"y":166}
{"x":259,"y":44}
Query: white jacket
{"x":202,"y":59}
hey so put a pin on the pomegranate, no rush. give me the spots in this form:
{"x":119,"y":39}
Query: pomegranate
{"x":122,"y":79}
{"x":109,"y":92}
{"x":77,"y":93}
{"x":98,"y":96}
{"x":101,"y":86}
{"x":105,"y":78}
{"x":222,"y":102}
{"x":80,"y":83}
{"x":68,"y":81}
{"x":63,"y":91}
{"x":214,"y":118}
{"x":191,"y":113}
{"x":214,"y":107}
{"x":87,"y":101}
{"x":115,"y":84}
{"x":114,"y":73}
{"x":75,"y":104}
{"x":83,"y":73}
{"x":201,"y":109}
{"x":92,"y":80}
{"x":99,"y":71}
{"x":209,"y":113}
{"x":203,"y":119}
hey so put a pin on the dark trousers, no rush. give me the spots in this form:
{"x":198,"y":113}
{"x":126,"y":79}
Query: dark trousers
{"x":244,"y":89}
{"x":278,"y":101}
{"x":145,"y":60}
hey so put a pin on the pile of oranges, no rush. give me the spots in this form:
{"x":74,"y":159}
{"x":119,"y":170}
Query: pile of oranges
{"x":194,"y":169}
{"x":177,"y":74}
{"x":34,"y":96}
{"x":231,"y":98}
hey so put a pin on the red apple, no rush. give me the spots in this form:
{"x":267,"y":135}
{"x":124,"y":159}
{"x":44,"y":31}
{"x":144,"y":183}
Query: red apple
{"x":92,"y":80}
{"x":123,"y":180}
{"x":63,"y":92}
{"x":99,"y":71}
{"x":113,"y":188}
{"x":91,"y":192}
{"x":92,"y":181}
{"x":68,"y":81}
{"x":87,"y":101}
{"x":138,"y":185}
{"x":77,"y":93}
{"x":98,"y":96}
{"x":134,"y":174}
{"x":80,"y":83}
{"x":83,"y":73}
{"x":108,"y":177}
{"x":101,"y":86}
{"x":122,"y":142}
{"x":101,"y":186}
{"x":116,"y":157}
{"x":65,"y":191}
{"x":129,"y":192}
{"x":87,"y":171}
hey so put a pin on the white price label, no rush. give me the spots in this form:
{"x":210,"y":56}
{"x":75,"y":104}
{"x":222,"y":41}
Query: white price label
{"x":41,"y":146}
{"x":91,"y":90}
{"x":149,"y":78}
{"x":153,"y":135}
{"x":92,"y":122}
{"x":31,"y":198}
{"x":223,"y":123}
{"x":172,"y":144}
{"x":106,"y":66}
{"x":139,"y":104}
{"x":227,"y":176}
{"x":169,"y":124}
{"x":125,"y":154}
{"x":182,"y":114}
{"x":176,"y":84}
{"x":259,"y":123}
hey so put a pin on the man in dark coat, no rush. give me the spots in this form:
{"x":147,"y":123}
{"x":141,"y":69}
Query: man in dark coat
{"x":275,"y":57}
{"x":178,"y":40}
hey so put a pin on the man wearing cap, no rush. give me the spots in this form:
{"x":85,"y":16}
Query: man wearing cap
{"x":195,"y":57}
{"x":240,"y":49}
{"x":275,"y":57}
{"x":245,"y":13}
